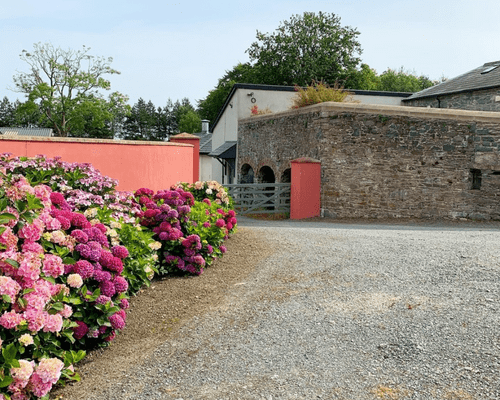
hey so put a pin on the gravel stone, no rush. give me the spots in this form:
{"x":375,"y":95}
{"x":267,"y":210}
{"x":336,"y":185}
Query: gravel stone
{"x":342,"y":311}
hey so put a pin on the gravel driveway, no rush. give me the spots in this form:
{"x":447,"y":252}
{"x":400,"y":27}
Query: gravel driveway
{"x":343,"y":312}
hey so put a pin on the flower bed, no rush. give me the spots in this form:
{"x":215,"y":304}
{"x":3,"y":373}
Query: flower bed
{"x":72,"y":251}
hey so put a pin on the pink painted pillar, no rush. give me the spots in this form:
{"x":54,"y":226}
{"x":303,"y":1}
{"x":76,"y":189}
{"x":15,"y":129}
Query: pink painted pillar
{"x":306,"y":186}
{"x":187,"y":138}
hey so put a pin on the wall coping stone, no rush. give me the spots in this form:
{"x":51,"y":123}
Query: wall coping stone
{"x":88,"y":140}
{"x":406,"y":111}
{"x":184,"y":135}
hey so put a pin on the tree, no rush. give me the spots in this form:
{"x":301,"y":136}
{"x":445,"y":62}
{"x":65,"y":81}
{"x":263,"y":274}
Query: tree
{"x":66,"y":85}
{"x":307,"y":47}
{"x":403,"y":81}
{"x":7,"y":113}
{"x":365,"y":78}
{"x":190,"y":122}
{"x":142,"y":123}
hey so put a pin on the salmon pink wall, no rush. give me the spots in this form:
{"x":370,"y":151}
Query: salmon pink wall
{"x":194,"y":140}
{"x":136,"y":164}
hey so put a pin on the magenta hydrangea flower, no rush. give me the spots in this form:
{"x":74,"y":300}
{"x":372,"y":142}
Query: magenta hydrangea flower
{"x":80,"y":236}
{"x":120,"y":252}
{"x":65,"y":222}
{"x":107,"y":288}
{"x":102,"y":299}
{"x":121,"y":284}
{"x":80,"y":330}
{"x":220,"y":223}
{"x":124,"y":304}
{"x":102,"y":276}
{"x":79,"y":220}
{"x":117,"y":321}
{"x":222,"y":248}
{"x":84,"y":268}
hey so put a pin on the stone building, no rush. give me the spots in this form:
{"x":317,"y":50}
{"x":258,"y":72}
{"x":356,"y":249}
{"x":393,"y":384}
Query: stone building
{"x":267,"y":99}
{"x":383,"y":161}
{"x":478,"y":90}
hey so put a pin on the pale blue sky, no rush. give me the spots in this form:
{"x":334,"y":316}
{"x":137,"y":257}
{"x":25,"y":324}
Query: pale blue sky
{"x":181,"y":48}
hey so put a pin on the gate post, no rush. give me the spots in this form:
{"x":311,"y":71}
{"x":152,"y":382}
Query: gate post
{"x":306,"y":187}
{"x":187,"y":138}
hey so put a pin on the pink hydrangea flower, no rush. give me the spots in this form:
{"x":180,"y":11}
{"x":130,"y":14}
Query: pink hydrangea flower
{"x":9,"y":287}
{"x":66,"y":312}
{"x":23,"y":373}
{"x":35,"y":319}
{"x":32,"y":231}
{"x":9,"y":239}
{"x":53,"y":265}
{"x":10,"y":320}
{"x":49,"y":370}
{"x":53,"y":323}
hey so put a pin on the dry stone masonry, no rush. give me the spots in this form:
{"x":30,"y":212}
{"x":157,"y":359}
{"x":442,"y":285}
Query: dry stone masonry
{"x":385,"y":161}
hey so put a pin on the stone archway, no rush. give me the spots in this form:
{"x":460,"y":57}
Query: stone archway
{"x":247,"y":174}
{"x":266,"y":175}
{"x":286,"y":176}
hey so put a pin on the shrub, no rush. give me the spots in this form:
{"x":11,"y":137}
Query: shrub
{"x":191,"y":233}
{"x":318,"y":93}
{"x":70,"y":256}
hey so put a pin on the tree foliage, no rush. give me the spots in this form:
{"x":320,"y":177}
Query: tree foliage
{"x":391,"y":80}
{"x":148,"y":122}
{"x":7,"y":113}
{"x":307,"y":47}
{"x":66,"y":87}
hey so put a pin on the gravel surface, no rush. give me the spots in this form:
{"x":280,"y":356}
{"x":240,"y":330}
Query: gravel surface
{"x":342,"y":311}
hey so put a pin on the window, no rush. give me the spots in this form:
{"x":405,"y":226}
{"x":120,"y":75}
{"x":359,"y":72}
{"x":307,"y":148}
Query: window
{"x":475,"y":179}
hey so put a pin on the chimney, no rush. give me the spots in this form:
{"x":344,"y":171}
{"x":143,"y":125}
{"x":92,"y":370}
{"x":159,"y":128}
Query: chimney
{"x":204,"y":126}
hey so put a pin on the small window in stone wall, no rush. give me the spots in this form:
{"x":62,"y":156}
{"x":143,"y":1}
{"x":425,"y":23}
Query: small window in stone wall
{"x":475,"y":179}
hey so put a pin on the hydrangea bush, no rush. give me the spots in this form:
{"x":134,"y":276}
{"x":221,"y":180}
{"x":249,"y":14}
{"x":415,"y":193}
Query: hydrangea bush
{"x":191,"y":232}
{"x":72,"y":251}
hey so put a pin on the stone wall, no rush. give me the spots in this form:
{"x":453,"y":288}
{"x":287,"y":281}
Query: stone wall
{"x":385,"y":161}
{"x":480,"y":100}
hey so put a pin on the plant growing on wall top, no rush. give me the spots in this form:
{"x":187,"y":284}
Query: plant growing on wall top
{"x":318,"y":93}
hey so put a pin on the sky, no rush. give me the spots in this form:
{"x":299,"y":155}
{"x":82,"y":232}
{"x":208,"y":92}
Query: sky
{"x":177,"y":49}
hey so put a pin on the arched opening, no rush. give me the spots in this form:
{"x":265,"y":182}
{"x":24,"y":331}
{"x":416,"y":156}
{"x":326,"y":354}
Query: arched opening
{"x":286,"y":176}
{"x":266,"y":175}
{"x":247,"y":174}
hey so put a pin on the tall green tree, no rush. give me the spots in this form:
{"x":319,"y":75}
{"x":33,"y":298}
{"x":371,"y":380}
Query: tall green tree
{"x":142,"y":123}
{"x":403,"y":81}
{"x":66,"y":86}
{"x":306,"y":48}
{"x":7,"y":113}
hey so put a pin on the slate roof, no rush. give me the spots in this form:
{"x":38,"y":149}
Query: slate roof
{"x":205,"y":142}
{"x":486,"y":76}
{"x":6,"y":131}
{"x":227,"y":150}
